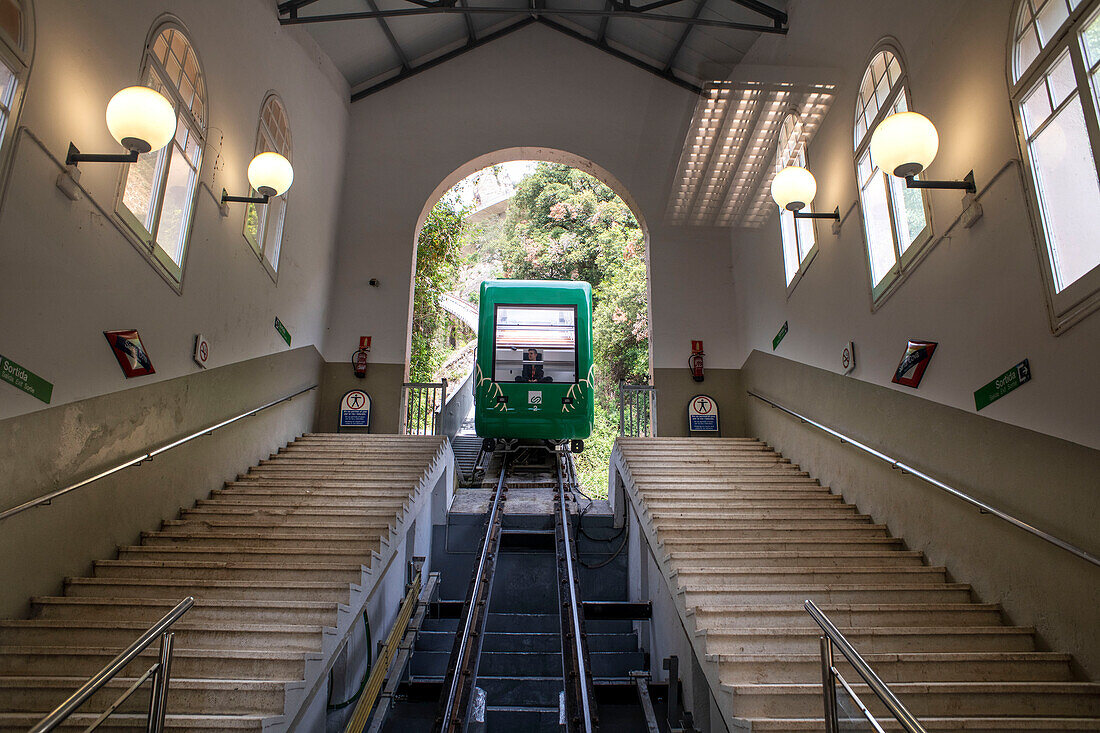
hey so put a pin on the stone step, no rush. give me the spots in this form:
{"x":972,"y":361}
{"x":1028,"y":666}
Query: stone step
{"x":873,"y":640}
{"x":671,"y":516}
{"x":318,"y":487}
{"x":848,"y":558}
{"x":257,"y":554}
{"x":223,"y":511}
{"x":21,"y":722}
{"x":227,"y":570}
{"x":825,"y":594}
{"x":728,"y":481}
{"x":995,"y":724}
{"x":150,"y":610}
{"x":850,"y":615}
{"x":780,"y":531}
{"x":933,"y":699}
{"x":227,"y":664}
{"x":363,"y":541}
{"x":794,"y":543}
{"x":300,"y":502}
{"x":720,"y":577}
{"x":232,"y":697}
{"x":218,"y":589}
{"x":897,"y":667}
{"x":728,"y":500}
{"x":189,"y":635}
{"x":347,"y":523}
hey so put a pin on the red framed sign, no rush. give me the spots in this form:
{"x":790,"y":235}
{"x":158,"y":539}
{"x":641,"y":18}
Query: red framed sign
{"x":912,"y":366}
{"x":130,"y":352}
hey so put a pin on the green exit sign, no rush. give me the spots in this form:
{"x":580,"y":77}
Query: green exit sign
{"x":1002,"y":385}
{"x":24,"y":379}
{"x":282,"y":331}
{"x":779,"y":336}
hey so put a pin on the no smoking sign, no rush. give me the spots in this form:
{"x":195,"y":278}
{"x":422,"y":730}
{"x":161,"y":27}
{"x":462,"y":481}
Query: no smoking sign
{"x":202,"y":351}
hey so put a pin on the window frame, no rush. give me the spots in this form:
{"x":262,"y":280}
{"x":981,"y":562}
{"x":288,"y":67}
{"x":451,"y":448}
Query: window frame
{"x":18,"y":57}
{"x":904,"y":261}
{"x":796,"y":155}
{"x":142,"y":239}
{"x":260,"y":248}
{"x":1080,"y":298}
{"x":541,"y":306}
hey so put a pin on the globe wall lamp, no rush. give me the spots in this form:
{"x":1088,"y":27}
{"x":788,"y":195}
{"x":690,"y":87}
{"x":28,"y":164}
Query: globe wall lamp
{"x":269,"y":174}
{"x":794,"y":188}
{"x":140,"y":119}
{"x":905,"y":144}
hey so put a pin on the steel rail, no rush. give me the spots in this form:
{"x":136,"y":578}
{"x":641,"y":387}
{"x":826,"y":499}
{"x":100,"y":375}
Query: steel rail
{"x":583,"y":683}
{"x":116,"y":665}
{"x":906,"y":468}
{"x":462,"y":678}
{"x":899,"y":711}
{"x":47,"y":498}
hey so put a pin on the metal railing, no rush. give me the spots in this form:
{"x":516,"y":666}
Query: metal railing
{"x":47,"y":498}
{"x":906,"y":468}
{"x":636,"y":409}
{"x":830,"y":677}
{"x":424,"y":403}
{"x":160,"y":674}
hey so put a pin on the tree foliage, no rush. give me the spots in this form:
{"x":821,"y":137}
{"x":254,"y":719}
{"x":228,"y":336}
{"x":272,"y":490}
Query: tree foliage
{"x":438,"y":256}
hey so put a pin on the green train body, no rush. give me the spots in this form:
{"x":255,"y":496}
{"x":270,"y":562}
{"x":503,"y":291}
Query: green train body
{"x":545,"y":394}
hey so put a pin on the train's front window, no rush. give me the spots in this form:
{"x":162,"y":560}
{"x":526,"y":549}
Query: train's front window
{"x":535,"y":344}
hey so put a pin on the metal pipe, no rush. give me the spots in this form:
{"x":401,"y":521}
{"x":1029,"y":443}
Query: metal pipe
{"x":908,"y":722}
{"x":894,"y":463}
{"x":47,"y":498}
{"x":164,"y":676}
{"x":574,"y":608}
{"x":116,"y":665}
{"x":828,"y":689}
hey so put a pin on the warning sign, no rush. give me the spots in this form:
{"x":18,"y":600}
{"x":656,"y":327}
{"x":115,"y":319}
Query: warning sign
{"x":355,"y":409}
{"x":702,"y":414}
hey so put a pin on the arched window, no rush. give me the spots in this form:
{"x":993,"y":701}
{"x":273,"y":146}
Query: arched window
{"x":797,"y":234}
{"x":15,"y":62}
{"x":895,"y":218}
{"x":1055,"y":67}
{"x":157,"y":195}
{"x":263,"y":224}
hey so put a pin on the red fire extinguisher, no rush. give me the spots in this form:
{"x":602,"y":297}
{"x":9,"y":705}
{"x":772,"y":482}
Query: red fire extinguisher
{"x":695,"y":365}
{"x":359,"y":358}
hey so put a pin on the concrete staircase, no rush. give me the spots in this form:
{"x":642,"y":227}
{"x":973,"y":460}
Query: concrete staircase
{"x":279,"y":561}
{"x":743,"y":537}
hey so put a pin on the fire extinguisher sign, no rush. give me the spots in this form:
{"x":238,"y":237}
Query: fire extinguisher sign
{"x":355,"y":409}
{"x":703,"y":414}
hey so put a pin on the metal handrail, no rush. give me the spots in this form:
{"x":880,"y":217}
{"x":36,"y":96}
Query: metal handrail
{"x":894,"y":463}
{"x":160,"y":671}
{"x":833,"y":636}
{"x":47,"y":498}
{"x":583,"y":674}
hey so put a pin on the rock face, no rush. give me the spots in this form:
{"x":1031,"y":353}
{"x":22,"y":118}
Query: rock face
{"x":744,"y":538}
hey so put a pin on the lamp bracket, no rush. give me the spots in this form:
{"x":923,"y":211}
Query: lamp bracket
{"x":75,"y":156}
{"x":226,"y":198}
{"x":966,"y":184}
{"x":834,"y":215}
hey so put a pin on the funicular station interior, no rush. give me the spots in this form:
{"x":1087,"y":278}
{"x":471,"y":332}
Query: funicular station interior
{"x":860,"y":489}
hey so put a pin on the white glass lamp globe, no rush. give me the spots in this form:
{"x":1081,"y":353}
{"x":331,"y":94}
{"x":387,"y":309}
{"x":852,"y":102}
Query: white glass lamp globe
{"x":793,"y":188}
{"x":141,"y":119}
{"x":904,"y":144}
{"x":270,"y":174}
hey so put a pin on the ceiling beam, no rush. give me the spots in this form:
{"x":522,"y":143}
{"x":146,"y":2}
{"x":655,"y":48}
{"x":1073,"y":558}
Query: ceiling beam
{"x":776,"y":15}
{"x":471,"y":34}
{"x":442,"y":10}
{"x":602,"y":37}
{"x":413,"y":71}
{"x":390,"y":37}
{"x":683,"y":37}
{"x":603,"y":46}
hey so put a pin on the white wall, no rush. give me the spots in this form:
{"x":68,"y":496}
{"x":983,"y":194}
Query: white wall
{"x":978,"y":293}
{"x":532,"y":88}
{"x":68,"y":273}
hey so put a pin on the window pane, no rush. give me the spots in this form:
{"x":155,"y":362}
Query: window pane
{"x":908,"y":211}
{"x":177,"y":204}
{"x":1026,"y":50}
{"x":141,"y":187}
{"x":7,"y":85}
{"x":1065,"y":170}
{"x":1051,"y":17}
{"x":1062,"y":81}
{"x":1035,"y":108}
{"x":805,"y":237}
{"x":273,"y":242}
{"x":876,"y":220}
{"x":535,"y":344}
{"x":252,"y":224}
{"x":1090,"y":39}
{"x":790,"y":244}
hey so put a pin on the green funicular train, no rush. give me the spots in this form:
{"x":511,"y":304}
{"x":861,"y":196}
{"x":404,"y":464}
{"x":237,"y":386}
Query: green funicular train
{"x":534,"y":362}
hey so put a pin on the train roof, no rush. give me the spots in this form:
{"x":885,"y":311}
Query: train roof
{"x":494,"y":288}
